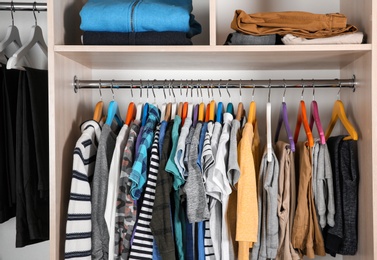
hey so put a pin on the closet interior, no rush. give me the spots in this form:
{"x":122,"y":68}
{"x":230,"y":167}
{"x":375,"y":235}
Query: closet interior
{"x":209,"y":59}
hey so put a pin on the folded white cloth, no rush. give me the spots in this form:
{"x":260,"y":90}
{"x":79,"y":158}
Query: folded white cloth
{"x":350,"y":38}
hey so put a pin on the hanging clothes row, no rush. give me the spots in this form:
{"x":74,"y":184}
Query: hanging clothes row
{"x":191,"y":181}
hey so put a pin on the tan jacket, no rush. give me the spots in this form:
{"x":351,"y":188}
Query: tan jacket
{"x":301,"y":24}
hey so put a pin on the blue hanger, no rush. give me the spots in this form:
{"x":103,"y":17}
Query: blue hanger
{"x":229,"y":109}
{"x":145,"y":114}
{"x":113,"y":111}
{"x":219,"y":112}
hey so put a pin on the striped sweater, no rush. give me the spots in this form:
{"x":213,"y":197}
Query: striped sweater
{"x":79,"y":225}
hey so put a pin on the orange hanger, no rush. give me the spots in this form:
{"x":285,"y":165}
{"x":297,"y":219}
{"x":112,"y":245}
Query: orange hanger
{"x":98,"y":110}
{"x":338,"y":112}
{"x":184,"y":112}
{"x":131,"y":113}
{"x":207,"y":112}
{"x":201,"y":112}
{"x":212,"y":108}
{"x":302,"y":119}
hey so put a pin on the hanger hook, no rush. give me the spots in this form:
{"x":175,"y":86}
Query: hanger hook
{"x":141,"y":91}
{"x":147,"y":90}
{"x":240,"y":89}
{"x":227,"y":90}
{"x":99,"y":88}
{"x":112,"y":91}
{"x":285,"y":89}
{"x":192,"y":86}
{"x":313,"y":89}
{"x":172,"y":91}
{"x":303,"y":89}
{"x":180,"y":87}
{"x":252,"y":95}
{"x":340,"y":88}
{"x":219,"y":88}
{"x":154,"y":94}
{"x":163,"y":88}
{"x":132,"y":86}
{"x":269,"y":90}
{"x":200,"y":88}
{"x":11,"y":11}
{"x":35,"y":9}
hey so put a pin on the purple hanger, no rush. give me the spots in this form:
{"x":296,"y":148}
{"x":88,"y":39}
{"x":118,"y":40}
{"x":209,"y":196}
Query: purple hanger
{"x":314,"y":117}
{"x":195,"y":116}
{"x":283,"y":117}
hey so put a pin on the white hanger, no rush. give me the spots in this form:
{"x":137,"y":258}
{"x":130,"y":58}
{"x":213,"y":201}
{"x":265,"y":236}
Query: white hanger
{"x":12,"y":35}
{"x":139,"y":108}
{"x":36,"y":38}
{"x":268,"y":121}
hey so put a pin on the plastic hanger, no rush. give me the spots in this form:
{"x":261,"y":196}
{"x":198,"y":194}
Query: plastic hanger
{"x":219,"y":112}
{"x":268,"y":125}
{"x":145,"y":114}
{"x":229,"y":107}
{"x":302,"y":119}
{"x":35,"y":38}
{"x":314,"y":118}
{"x":140,"y":105}
{"x":184,"y":112}
{"x":195,"y":115}
{"x":11,"y":36}
{"x":207,"y":112}
{"x":131,"y":110}
{"x":338,"y":112}
{"x":113,"y":112}
{"x":283,"y":118}
{"x":98,"y":109}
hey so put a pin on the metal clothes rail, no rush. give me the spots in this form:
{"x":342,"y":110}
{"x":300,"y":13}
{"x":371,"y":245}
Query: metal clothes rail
{"x":23,"y":6}
{"x":189,"y":83}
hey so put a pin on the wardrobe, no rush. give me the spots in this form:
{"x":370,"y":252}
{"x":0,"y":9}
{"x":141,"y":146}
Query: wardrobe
{"x":209,"y":59}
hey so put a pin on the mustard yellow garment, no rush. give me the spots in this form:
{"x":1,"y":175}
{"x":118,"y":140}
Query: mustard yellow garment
{"x":247,"y":204}
{"x":301,"y":24}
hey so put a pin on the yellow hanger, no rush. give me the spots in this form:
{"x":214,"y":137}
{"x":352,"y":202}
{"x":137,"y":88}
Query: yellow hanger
{"x":338,"y":112}
{"x":252,"y":113}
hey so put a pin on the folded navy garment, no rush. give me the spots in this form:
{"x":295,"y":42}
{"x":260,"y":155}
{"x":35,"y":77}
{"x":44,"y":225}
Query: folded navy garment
{"x":138,"y":16}
{"x":238,"y":38}
{"x":139,"y":38}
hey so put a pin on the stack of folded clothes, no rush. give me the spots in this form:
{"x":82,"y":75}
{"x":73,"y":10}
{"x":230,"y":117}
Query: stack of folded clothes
{"x":138,"y":22}
{"x":295,"y":27}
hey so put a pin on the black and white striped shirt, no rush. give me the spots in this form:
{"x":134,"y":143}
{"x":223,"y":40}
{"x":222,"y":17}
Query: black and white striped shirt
{"x":79,"y":225}
{"x":142,"y":245}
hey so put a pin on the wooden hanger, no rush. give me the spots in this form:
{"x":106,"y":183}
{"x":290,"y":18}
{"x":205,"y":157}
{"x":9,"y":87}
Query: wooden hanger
{"x":168,"y":112}
{"x":240,"y":111}
{"x":338,"y":112}
{"x":98,"y":109}
{"x":302,"y":119}
{"x":180,"y":109}
{"x":283,"y":118}
{"x":36,"y":37}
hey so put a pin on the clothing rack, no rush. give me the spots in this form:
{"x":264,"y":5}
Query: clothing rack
{"x":269,"y":83}
{"x":23,"y":6}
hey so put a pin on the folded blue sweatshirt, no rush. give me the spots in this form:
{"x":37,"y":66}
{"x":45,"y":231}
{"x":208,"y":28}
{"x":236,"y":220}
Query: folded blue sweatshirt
{"x":138,"y":16}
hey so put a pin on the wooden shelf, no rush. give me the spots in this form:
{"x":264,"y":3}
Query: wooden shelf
{"x":276,"y":57}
